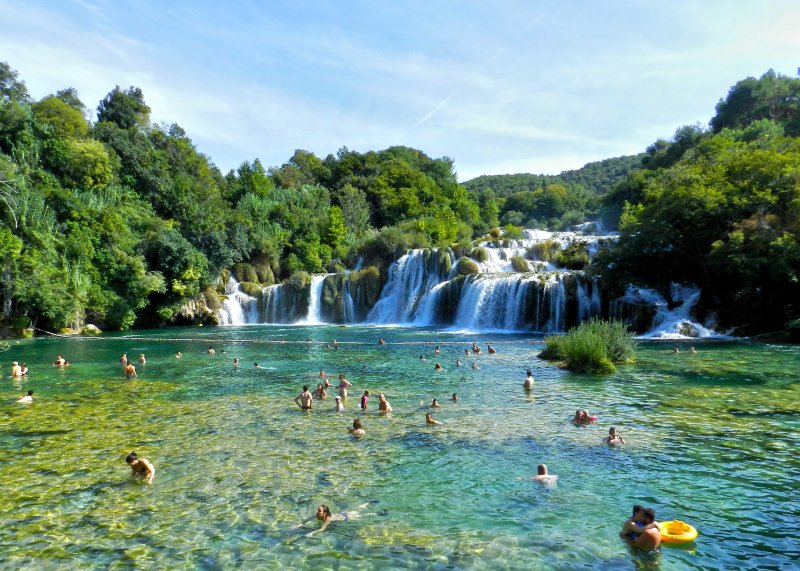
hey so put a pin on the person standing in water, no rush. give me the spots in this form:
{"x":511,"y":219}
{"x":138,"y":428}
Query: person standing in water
{"x":364,"y":398}
{"x":614,"y":438}
{"x":343,"y":386}
{"x":383,"y":404}
{"x":141,"y":468}
{"x":142,"y":359}
{"x":130,"y":371}
{"x":528,"y":384}
{"x":304,"y":399}
{"x":124,"y":359}
{"x":16,"y":370}
{"x":338,"y":406}
{"x":357,"y":430}
{"x":26,"y":399}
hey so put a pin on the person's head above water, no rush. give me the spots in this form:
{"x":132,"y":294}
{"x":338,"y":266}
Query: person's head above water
{"x":30,"y":393}
{"x":356,"y":424}
{"x":647,"y":515}
{"x":455,"y":396}
{"x":529,"y":373}
{"x":612,"y":431}
{"x":131,"y":458}
{"x":323,"y":512}
{"x":542,"y":469}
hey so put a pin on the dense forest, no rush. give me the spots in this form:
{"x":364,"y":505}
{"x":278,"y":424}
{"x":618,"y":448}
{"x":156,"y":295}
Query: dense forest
{"x":554,"y":202}
{"x":121,"y":222}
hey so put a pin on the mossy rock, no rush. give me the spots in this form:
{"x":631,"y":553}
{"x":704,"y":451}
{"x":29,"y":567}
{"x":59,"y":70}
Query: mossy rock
{"x":67,"y":331}
{"x":251,"y":289}
{"x":444,"y":260}
{"x":479,"y":254}
{"x":213,"y":302}
{"x":300,"y":280}
{"x":520,"y":264}
{"x":495,"y":232}
{"x":264,"y":273}
{"x":90,"y":329}
{"x":467,"y":267}
{"x":245,"y":272}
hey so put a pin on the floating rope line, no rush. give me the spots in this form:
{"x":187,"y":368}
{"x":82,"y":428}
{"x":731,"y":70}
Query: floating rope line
{"x":217,"y":341}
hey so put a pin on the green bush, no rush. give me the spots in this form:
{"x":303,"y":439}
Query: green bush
{"x":546,"y":251}
{"x":299,"y":280}
{"x":495,"y":232}
{"x":594,"y":346}
{"x":250,"y":288}
{"x":467,"y":267}
{"x":520,"y":264}
{"x":512,"y":232}
{"x":575,"y":257}
{"x":245,"y":272}
{"x":479,"y":254}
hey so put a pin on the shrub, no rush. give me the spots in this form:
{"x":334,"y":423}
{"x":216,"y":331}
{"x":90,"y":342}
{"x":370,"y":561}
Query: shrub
{"x":546,"y":251}
{"x":299,"y":280}
{"x":466,"y":267}
{"x":479,"y":254}
{"x":495,"y":232}
{"x":575,"y":257}
{"x":244,"y":272}
{"x":520,"y":264}
{"x":594,"y":346}
{"x":250,"y":288}
{"x":512,"y":232}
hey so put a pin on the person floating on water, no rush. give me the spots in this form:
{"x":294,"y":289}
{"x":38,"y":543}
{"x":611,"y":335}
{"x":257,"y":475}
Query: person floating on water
{"x":141,"y":468}
{"x":26,"y":399}
{"x":435,"y":404}
{"x":383,"y":404}
{"x":356,"y":430}
{"x":436,"y":351}
{"x":455,"y":397}
{"x":692,"y":351}
{"x":235,"y":362}
{"x":130,"y":371}
{"x":583,"y":417}
{"x":304,"y":399}
{"x":178,"y":355}
{"x":430,"y":420}
{"x":211,"y":350}
{"x":324,"y":515}
{"x":421,"y":358}
{"x":458,"y":362}
{"x":476,"y":349}
{"x":475,"y":366}
{"x":528,"y":384}
{"x":614,"y":438}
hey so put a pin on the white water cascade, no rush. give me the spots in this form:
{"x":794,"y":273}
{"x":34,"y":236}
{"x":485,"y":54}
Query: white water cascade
{"x":314,"y":315}
{"x":675,"y":323}
{"x":239,"y":308}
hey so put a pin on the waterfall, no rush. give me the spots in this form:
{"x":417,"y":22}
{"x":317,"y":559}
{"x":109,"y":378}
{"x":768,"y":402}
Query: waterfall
{"x":314,"y":316}
{"x":558,"y":301}
{"x":238,"y":308}
{"x":490,"y":302}
{"x":273,"y":305}
{"x":348,"y":307}
{"x":410,"y":279}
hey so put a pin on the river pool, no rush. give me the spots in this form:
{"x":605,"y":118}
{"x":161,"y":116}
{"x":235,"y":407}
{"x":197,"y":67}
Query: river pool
{"x":712,"y":439}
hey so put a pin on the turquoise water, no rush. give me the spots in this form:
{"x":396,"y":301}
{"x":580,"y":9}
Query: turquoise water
{"x":711,"y":439}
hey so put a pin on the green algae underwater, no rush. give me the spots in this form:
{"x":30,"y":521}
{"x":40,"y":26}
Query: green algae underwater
{"x":711,"y":439}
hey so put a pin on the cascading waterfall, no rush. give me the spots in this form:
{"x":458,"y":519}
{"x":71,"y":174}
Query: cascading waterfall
{"x":239,"y":308}
{"x":348,"y":307}
{"x":314,"y":315}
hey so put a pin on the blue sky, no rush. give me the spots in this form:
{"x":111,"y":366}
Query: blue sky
{"x":501,"y":87}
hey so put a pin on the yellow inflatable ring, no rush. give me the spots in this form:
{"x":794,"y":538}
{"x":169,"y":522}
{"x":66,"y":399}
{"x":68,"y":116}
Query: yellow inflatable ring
{"x":676,"y":531}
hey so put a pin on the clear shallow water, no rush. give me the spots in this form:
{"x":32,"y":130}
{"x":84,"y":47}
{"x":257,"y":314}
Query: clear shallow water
{"x":712,"y":439}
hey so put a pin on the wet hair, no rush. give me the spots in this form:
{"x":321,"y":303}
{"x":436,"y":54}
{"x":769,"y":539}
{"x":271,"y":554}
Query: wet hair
{"x":326,"y":511}
{"x":529,"y":372}
{"x":305,"y":387}
{"x":612,"y":430}
{"x":455,"y":396}
{"x":541,"y":469}
{"x":30,"y":393}
{"x":649,"y":514}
{"x":132,"y":457}
{"x":356,"y":423}
{"x":637,"y":508}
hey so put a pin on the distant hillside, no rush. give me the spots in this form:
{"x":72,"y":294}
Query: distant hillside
{"x":598,"y":178}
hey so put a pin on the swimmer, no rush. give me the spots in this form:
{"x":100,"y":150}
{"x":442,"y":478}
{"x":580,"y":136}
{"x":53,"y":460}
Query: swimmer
{"x":476,"y":349}
{"x":436,"y":351}
{"x":437,"y":367}
{"x":435,"y":404}
{"x":257,"y":366}
{"x":632,"y":527}
{"x":211,"y":350}
{"x":141,"y":468}
{"x":178,"y":355}
{"x":544,"y":476}
{"x":304,"y":399}
{"x":364,"y":398}
{"x":614,"y":438}
{"x":692,"y":351}
{"x":455,"y":397}
{"x":458,"y":362}
{"x":322,"y":374}
{"x":676,"y":350}
{"x":338,"y":406}
{"x":466,"y":353}
{"x":343,"y":386}
{"x":528,"y":384}
{"x":26,"y":399}
{"x":142,"y":359}
{"x":16,"y":370}
{"x":327,"y":346}
{"x":60,"y":362}
{"x":319,"y":392}
{"x":421,"y":358}
{"x":356,"y":430}
{"x":491,"y":349}
{"x":475,"y":366}
{"x":381,"y":341}
{"x":383,"y":404}
{"x":24,"y":369}
{"x":324,"y":515}
{"x":430,"y":420}
{"x":236,"y":361}
{"x":583,"y":417}
{"x":124,"y":359}
{"x":130,"y":371}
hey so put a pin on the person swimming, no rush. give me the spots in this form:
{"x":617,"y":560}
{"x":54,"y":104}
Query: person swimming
{"x":26,"y":399}
{"x":614,"y":438}
{"x":438,"y":367}
{"x":475,"y":366}
{"x":543,"y":476}
{"x":430,"y":420}
{"x":435,"y":404}
{"x":455,"y":397}
{"x":357,"y":429}
{"x":141,"y":468}
{"x":491,"y":349}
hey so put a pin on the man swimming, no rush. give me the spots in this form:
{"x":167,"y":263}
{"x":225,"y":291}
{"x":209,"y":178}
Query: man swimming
{"x":141,"y":468}
{"x":543,"y":476}
{"x":614,"y":438}
{"x":26,"y":399}
{"x":356,"y":430}
{"x":430,"y":420}
{"x":304,"y":399}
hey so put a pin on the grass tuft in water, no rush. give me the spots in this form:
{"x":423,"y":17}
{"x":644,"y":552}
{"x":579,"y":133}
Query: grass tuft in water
{"x":594,"y":346}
